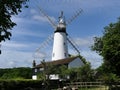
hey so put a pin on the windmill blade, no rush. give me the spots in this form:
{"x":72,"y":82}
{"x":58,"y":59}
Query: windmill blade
{"x":43,"y":45}
{"x":48,"y":18}
{"x":73,"y":44}
{"x":74,"y":16}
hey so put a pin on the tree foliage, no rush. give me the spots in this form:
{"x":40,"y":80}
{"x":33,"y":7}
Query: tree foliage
{"x":16,"y":73}
{"x":108,"y":46}
{"x":7,"y":9}
{"x":85,"y":73}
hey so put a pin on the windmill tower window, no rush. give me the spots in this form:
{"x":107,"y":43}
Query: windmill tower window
{"x":35,"y":70}
{"x":65,"y":54}
{"x":53,"y":54}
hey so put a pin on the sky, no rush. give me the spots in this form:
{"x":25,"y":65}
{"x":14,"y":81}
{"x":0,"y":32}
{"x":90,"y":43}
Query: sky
{"x":33,"y":29}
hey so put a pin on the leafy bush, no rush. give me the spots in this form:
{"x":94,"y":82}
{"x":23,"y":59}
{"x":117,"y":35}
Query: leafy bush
{"x":16,"y":73}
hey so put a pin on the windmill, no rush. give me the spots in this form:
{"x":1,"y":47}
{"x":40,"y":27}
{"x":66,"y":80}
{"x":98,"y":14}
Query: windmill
{"x":60,"y":37}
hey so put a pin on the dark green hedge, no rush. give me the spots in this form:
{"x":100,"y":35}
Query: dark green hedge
{"x":28,"y":85}
{"x":20,"y":85}
{"x":15,"y":73}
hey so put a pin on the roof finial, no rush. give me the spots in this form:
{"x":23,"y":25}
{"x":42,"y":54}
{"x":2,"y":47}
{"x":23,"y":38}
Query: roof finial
{"x":61,"y":18}
{"x":61,"y":15}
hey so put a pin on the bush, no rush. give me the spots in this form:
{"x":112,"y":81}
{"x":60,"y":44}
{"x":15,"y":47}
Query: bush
{"x":20,"y":84}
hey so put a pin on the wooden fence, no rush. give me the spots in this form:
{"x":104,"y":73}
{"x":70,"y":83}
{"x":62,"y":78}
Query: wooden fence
{"x":88,"y":86}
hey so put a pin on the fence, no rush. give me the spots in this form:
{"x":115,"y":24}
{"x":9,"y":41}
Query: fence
{"x":88,"y":86}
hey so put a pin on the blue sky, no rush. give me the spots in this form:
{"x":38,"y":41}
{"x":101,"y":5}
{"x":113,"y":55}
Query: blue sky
{"x":33,"y":29}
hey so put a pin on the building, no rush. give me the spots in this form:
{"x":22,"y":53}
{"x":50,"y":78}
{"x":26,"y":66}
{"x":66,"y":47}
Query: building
{"x":70,"y":62}
{"x":60,"y":54}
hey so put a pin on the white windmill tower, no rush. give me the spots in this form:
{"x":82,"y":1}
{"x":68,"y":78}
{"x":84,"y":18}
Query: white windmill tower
{"x":60,"y":48}
{"x":60,"y":37}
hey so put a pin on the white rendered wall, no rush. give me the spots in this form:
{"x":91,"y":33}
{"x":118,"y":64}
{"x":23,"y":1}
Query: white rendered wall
{"x":34,"y":77}
{"x":60,"y":49}
{"x":54,"y":77}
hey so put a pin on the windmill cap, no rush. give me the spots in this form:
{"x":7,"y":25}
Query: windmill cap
{"x":61,"y":23}
{"x":61,"y":28}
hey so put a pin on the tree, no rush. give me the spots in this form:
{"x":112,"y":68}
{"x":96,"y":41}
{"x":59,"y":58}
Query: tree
{"x":108,"y":46}
{"x":63,"y":72}
{"x":15,"y":73}
{"x":85,"y":73}
{"x":8,"y":8}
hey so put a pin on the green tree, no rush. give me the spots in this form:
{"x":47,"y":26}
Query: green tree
{"x":108,"y":46}
{"x":63,"y":72}
{"x":8,"y":8}
{"x":85,"y":73}
{"x":16,"y":73}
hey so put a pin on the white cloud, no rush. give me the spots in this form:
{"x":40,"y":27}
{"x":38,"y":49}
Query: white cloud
{"x":40,"y":55}
{"x":20,"y":20}
{"x":27,"y":25}
{"x":83,"y":41}
{"x":12,"y":58}
{"x":12,"y":44}
{"x":18,"y":46}
{"x":83,"y":45}
{"x":40,"y":18}
{"x":19,"y":59}
{"x":92,"y":57}
{"x":27,"y":32}
{"x":43,"y":18}
{"x":33,"y":11}
{"x":73,"y":5}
